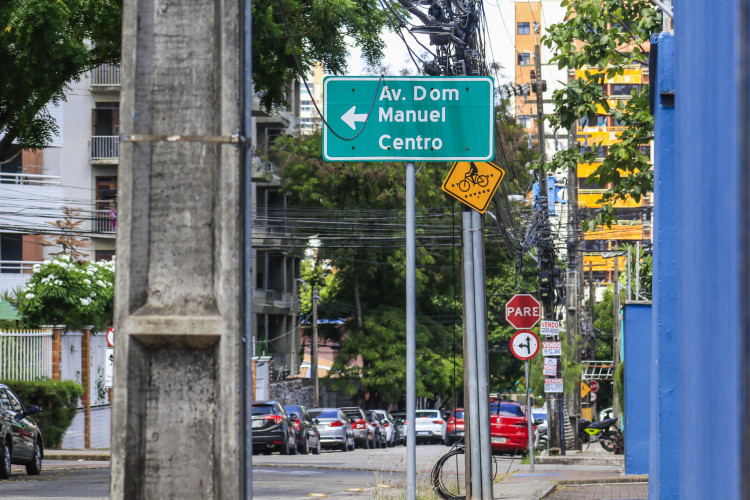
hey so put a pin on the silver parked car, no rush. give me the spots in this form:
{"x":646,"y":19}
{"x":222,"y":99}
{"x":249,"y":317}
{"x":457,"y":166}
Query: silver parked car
{"x":335,"y":429}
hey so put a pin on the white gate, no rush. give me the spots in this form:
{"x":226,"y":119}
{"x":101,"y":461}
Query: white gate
{"x":25,"y":354}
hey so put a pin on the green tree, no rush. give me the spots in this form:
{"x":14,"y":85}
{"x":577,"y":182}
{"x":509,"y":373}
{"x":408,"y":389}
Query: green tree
{"x":62,"y":291}
{"x":320,"y":30}
{"x":43,"y":46}
{"x":603,"y":37}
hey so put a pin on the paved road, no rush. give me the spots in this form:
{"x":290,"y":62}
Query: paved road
{"x":360,"y":473}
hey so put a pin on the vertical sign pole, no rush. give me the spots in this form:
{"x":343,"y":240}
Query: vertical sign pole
{"x":411,"y":335}
{"x":481,"y":360}
{"x":529,"y":416}
{"x":473,"y":443}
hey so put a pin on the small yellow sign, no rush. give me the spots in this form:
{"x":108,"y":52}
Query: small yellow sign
{"x":473,"y":183}
{"x":585,"y":389}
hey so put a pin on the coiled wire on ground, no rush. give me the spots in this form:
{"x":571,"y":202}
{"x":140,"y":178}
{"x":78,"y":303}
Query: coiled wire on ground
{"x":439,"y":480}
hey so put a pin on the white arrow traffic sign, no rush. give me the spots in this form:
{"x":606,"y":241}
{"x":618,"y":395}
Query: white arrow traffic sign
{"x":524,"y":345}
{"x":351,"y":117}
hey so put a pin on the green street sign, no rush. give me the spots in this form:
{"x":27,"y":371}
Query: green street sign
{"x":408,"y":118}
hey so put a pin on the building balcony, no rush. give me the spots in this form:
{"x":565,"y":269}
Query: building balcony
{"x":631,"y":74}
{"x":15,"y":273}
{"x":589,"y":198}
{"x":105,"y":78}
{"x":619,"y":232}
{"x":271,"y":301}
{"x":104,"y":223}
{"x":30,"y":200}
{"x":105,"y":150}
{"x":597,"y":263}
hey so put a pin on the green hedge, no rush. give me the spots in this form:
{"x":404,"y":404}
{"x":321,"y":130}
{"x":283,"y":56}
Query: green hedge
{"x":57,"y":400}
{"x":620,"y":388}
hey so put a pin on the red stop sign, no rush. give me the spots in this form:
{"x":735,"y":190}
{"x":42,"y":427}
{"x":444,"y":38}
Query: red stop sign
{"x":523,"y":311}
{"x":593,"y":385}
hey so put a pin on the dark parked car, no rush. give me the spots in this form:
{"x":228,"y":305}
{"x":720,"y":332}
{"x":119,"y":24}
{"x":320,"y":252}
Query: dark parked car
{"x":308,"y":436}
{"x":21,"y":437}
{"x":272,"y":429}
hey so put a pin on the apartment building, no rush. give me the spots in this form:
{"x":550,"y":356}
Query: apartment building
{"x":634,"y":218}
{"x":74,"y":180}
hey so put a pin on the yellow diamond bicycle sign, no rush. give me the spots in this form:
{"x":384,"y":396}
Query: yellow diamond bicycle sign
{"x":473,"y":183}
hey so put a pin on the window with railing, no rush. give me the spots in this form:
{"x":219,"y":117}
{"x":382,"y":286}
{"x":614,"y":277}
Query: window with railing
{"x":105,"y":125}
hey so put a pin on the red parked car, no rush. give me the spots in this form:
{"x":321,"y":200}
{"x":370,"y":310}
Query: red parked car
{"x":509,"y":428}
{"x":455,"y":429}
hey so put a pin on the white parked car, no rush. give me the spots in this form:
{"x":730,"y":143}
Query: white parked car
{"x":430,"y":426}
{"x":391,"y":432}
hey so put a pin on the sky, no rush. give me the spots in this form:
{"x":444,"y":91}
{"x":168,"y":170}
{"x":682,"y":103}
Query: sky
{"x":500,"y":20}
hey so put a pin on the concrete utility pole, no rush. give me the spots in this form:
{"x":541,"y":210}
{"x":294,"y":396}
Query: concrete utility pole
{"x":178,"y":419}
{"x":616,"y":335}
{"x":572,"y":325}
{"x":545,"y":250}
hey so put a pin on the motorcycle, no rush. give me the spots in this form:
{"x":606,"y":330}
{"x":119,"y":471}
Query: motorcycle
{"x":605,"y":432}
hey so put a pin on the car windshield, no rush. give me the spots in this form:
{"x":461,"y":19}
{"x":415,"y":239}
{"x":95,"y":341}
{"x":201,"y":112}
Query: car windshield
{"x":352,"y":414}
{"x":324,"y":414}
{"x":542,"y":416}
{"x":264,"y":410}
{"x":428,"y":414}
{"x":458,"y":414}
{"x":507,"y":409}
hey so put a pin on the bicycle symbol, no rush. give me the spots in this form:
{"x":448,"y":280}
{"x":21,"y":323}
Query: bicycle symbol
{"x":473,"y":178}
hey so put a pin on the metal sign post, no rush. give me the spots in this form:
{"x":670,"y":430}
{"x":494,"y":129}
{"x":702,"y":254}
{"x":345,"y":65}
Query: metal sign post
{"x":411,"y":335}
{"x":529,"y":416}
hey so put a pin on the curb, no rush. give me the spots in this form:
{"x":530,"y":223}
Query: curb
{"x":73,"y":456}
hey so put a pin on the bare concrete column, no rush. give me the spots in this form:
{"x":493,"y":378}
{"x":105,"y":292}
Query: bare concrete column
{"x":177,"y":415}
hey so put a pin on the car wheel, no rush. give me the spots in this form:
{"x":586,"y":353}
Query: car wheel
{"x":34,"y":468}
{"x":353,"y":443}
{"x":5,"y":462}
{"x":316,"y":450}
{"x":367,"y":443}
{"x":345,"y":444}
{"x":293,"y":447}
{"x":306,"y":448}
{"x":285,"y":448}
{"x":448,"y":441}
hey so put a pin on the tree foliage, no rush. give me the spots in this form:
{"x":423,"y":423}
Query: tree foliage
{"x":62,"y":291}
{"x":603,"y":37}
{"x":320,"y":31}
{"x":43,"y":46}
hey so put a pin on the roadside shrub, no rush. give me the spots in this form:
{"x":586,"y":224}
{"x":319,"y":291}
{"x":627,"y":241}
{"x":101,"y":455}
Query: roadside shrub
{"x":620,"y":388}
{"x":57,"y":401}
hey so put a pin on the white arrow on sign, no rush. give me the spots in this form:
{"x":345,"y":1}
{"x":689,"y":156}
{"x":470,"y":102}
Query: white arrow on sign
{"x":351,"y":117}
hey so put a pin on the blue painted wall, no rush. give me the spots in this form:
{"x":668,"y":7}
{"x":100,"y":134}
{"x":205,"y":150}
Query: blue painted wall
{"x":707,"y":173}
{"x":636,"y":341}
{"x":664,"y":454}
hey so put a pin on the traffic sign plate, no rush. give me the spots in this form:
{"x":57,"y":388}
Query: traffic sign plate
{"x":594,"y":385}
{"x":408,"y":118}
{"x":473,"y":183}
{"x":524,"y":345}
{"x":523,"y":311}
{"x":110,"y":336}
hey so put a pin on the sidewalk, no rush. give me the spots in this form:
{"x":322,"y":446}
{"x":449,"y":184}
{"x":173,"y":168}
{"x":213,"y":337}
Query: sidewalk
{"x":101,"y":455}
{"x":577,"y":475}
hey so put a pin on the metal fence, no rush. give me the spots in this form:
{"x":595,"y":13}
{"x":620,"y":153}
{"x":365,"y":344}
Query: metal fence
{"x":105,"y":147}
{"x":106,"y":75}
{"x":26,"y":354}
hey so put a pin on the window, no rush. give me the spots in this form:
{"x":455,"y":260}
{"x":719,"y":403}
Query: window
{"x":106,"y":119}
{"x":524,"y":29}
{"x":524,"y":59}
{"x":524,"y":120}
{"x":584,"y":184}
{"x":624,"y":88}
{"x":594,"y":246}
{"x":14,"y":402}
{"x":601,"y":121}
{"x":11,"y":248}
